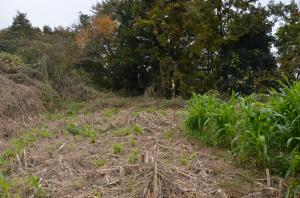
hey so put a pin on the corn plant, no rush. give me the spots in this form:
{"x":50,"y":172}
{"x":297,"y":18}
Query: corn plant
{"x":201,"y":109}
{"x":226,"y":120}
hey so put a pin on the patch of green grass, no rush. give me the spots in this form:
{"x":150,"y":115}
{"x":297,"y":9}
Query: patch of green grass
{"x":73,"y":108}
{"x":55,"y":116}
{"x":85,"y":131}
{"x":111,"y":112}
{"x":193,"y":155}
{"x":122,"y":132}
{"x":134,"y":156}
{"x":137,"y":129}
{"x":99,"y":162}
{"x":5,"y":187}
{"x":162,"y":112}
{"x":32,"y":182}
{"x":151,"y":110}
{"x":74,"y":129}
{"x":168,"y":135}
{"x":117,"y":148}
{"x":183,"y":161}
{"x":8,"y":153}
{"x":44,"y":134}
{"x":132,"y":142}
{"x":28,"y":139}
{"x":88,"y":131}
{"x":97,"y":195}
{"x":129,"y":184}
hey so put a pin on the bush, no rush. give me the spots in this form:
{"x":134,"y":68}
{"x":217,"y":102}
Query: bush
{"x":10,"y":59}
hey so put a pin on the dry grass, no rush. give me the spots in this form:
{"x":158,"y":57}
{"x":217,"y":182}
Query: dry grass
{"x":155,"y":159}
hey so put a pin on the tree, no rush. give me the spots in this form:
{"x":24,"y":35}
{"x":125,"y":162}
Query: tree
{"x":96,"y":41}
{"x":288,"y":42}
{"x":21,"y":27}
{"x":232,"y":43}
{"x":47,"y":29}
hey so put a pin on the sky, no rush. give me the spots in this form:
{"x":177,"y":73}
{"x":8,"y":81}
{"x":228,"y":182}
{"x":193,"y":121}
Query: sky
{"x":49,"y":12}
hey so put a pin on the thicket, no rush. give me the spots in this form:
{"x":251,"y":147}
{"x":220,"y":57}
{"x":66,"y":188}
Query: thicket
{"x":43,"y":59}
{"x":260,"y":130}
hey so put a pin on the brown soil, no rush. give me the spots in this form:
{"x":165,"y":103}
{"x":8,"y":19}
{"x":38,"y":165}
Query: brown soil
{"x":168,"y":165}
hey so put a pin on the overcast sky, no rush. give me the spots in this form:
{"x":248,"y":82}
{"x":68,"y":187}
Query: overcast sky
{"x":48,"y":12}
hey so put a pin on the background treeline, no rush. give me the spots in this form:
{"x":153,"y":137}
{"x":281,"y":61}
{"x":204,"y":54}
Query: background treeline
{"x":164,"y":48}
{"x":43,"y":59}
{"x":183,"y":46}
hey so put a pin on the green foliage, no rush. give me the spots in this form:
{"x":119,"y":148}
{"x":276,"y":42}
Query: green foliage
{"x":32,"y":183}
{"x":73,"y":108}
{"x":99,"y":162}
{"x":168,"y":135}
{"x":183,"y":161}
{"x":288,"y":41}
{"x":85,"y":131}
{"x":111,"y":112}
{"x":4,"y":187}
{"x":266,"y":132}
{"x":122,"y":132}
{"x":74,"y":129}
{"x":201,"y":110}
{"x":28,"y":139}
{"x":44,"y":134}
{"x":137,"y":129}
{"x":134,"y":156}
{"x":132,"y":141}
{"x":13,"y":60}
{"x":117,"y":148}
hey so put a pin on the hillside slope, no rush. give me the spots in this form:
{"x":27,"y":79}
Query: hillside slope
{"x":18,"y":101}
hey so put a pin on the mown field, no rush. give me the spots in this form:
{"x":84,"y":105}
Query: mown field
{"x":122,"y":147}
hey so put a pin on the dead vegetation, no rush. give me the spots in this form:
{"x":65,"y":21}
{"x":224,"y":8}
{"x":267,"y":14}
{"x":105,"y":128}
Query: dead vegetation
{"x":136,"y":152}
{"x":25,"y":92}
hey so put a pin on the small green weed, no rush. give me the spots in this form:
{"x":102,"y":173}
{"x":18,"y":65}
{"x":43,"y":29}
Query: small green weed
{"x":132,"y":142}
{"x":134,"y":156}
{"x":122,"y":132}
{"x":129,"y":184}
{"x":168,"y":135}
{"x":4,"y":187}
{"x":183,"y":161}
{"x":137,"y":129}
{"x":117,"y":148}
{"x":99,"y":162}
{"x":85,"y":131}
{"x":111,"y":112}
{"x":74,"y":108}
{"x":44,"y":134}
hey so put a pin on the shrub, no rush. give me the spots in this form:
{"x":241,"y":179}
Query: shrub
{"x":13,"y":60}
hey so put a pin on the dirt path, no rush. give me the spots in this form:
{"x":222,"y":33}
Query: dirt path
{"x":131,"y":151}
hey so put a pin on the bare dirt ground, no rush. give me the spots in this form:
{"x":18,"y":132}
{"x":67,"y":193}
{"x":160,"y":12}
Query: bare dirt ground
{"x":116,"y":148}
